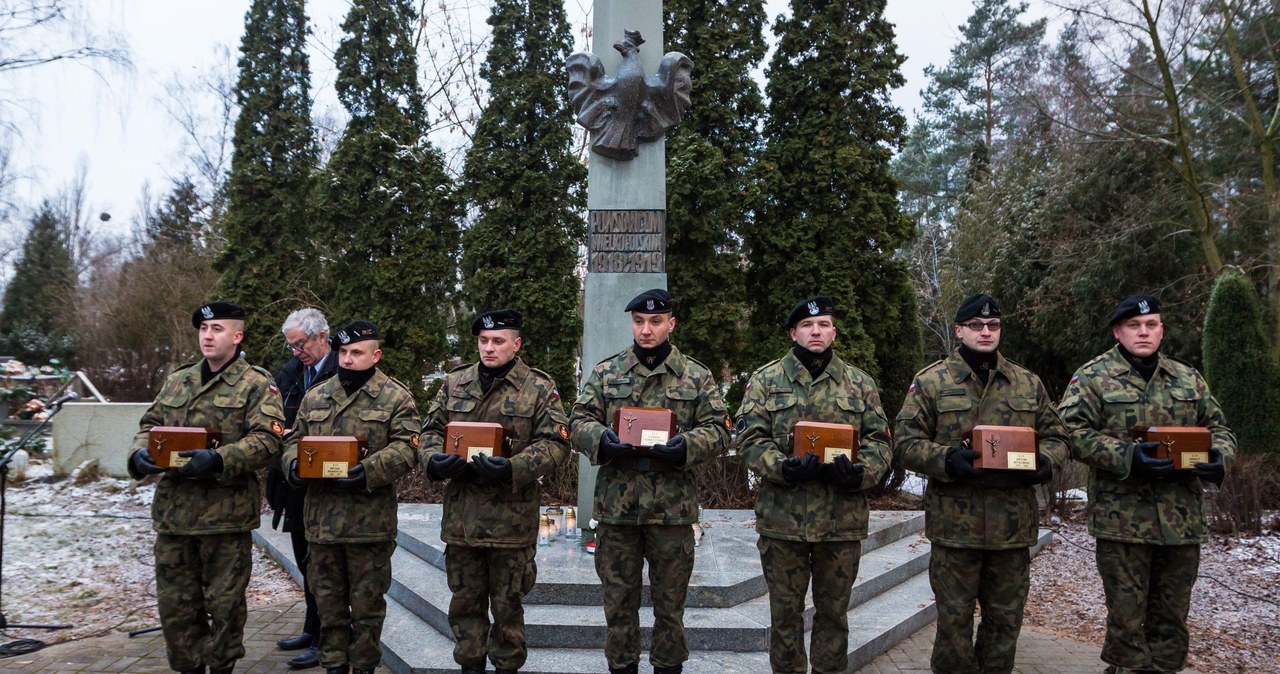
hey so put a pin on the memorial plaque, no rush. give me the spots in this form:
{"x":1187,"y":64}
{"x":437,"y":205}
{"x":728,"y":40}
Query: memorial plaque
{"x":826,"y":440}
{"x":1185,"y":445}
{"x":471,"y":438}
{"x":627,"y":241}
{"x":1003,"y":447}
{"x":329,"y":456}
{"x":164,"y":443}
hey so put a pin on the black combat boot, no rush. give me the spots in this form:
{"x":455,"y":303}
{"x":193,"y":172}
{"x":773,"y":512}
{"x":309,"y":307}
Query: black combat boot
{"x":306,"y":659}
{"x":341,"y":669}
{"x":228,"y":670}
{"x":678,"y":669}
{"x":633,"y":668}
{"x":362,"y":671}
{"x":304,"y":640}
{"x":473,"y":669}
{"x":197,"y":670}
{"x":500,"y":670}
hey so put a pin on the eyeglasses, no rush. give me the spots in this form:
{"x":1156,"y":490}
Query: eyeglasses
{"x":298,"y":346}
{"x":977,"y":326}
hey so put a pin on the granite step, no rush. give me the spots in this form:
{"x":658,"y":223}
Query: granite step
{"x":412,"y":646}
{"x":422,"y":588}
{"x":726,"y":564}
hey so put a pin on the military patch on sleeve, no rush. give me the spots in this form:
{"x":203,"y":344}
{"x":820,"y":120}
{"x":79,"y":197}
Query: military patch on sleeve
{"x":277,"y":427}
{"x":273,"y":389}
{"x":728,"y":422}
{"x":911,"y":388}
{"x":564,"y":432}
{"x":413,"y":440}
{"x":555,"y":394}
{"x":748,"y":389}
{"x":1074,"y":379}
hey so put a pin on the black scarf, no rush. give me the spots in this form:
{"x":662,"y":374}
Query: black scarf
{"x":981,"y":363}
{"x":654,"y":357}
{"x":490,"y":374}
{"x":815,"y":363}
{"x":1145,"y":366}
{"x":352,"y":380}
{"x":207,"y":375}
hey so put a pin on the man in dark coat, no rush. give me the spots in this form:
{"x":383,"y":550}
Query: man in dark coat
{"x":306,"y":334}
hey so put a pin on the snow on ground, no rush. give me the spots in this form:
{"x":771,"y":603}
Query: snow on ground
{"x":82,"y":555}
{"x":1235,"y":605}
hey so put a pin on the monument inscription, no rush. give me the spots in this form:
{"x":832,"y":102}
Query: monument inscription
{"x":627,"y":241}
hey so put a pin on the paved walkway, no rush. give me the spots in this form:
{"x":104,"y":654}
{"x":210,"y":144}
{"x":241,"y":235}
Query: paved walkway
{"x":1038,"y":653}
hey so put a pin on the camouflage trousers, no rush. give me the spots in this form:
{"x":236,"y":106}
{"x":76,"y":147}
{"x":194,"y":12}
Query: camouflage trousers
{"x":200,"y":585}
{"x":788,"y":567}
{"x":998,"y":580}
{"x":621,"y":551}
{"x":484,"y":580}
{"x":349,"y":581}
{"x":1148,"y":590}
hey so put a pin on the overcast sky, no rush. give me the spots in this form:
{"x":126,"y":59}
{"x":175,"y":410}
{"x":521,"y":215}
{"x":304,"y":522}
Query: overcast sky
{"x":114,"y":123}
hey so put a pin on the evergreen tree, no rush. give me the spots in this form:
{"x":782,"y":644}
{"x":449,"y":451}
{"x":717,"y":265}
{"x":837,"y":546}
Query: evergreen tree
{"x":1238,"y":364}
{"x":828,"y":219}
{"x":389,"y":209}
{"x":524,"y":184}
{"x":267,"y":260}
{"x":37,"y":300}
{"x":708,"y":156}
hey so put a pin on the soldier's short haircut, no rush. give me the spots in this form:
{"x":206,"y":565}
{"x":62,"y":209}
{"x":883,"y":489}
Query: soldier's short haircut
{"x":309,"y":320}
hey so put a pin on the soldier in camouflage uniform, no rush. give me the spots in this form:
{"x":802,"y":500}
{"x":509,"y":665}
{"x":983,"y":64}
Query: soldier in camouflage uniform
{"x":645,"y":506}
{"x":1148,"y":519}
{"x":203,"y":512}
{"x":811,"y":516}
{"x":980,"y":522}
{"x":490,"y":524}
{"x":351,"y":521}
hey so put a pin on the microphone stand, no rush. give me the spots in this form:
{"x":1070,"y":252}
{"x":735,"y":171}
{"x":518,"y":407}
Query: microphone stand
{"x":54,"y":407}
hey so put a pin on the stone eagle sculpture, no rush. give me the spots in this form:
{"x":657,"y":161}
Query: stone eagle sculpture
{"x":629,"y":108}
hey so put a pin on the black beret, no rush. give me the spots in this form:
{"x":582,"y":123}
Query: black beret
{"x":814,"y":306}
{"x":1135,"y":305}
{"x":215,"y":310}
{"x":498,"y":319}
{"x":356,"y":331}
{"x":655,"y":301}
{"x":977,"y":305}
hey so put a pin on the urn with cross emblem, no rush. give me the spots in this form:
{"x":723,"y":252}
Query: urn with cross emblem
{"x":164,"y":443}
{"x":825,"y":440}
{"x":1185,"y":445}
{"x":1003,"y":447}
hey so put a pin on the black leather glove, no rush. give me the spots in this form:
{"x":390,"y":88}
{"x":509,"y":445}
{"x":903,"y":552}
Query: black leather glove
{"x":960,"y":464}
{"x":845,"y":473}
{"x":496,"y":468}
{"x":443,"y":466}
{"x":473,"y":475}
{"x":142,"y":464}
{"x":796,"y":469}
{"x":355,"y":479}
{"x":1213,"y":471}
{"x":673,"y":450}
{"x":203,"y":463}
{"x":1145,"y":467}
{"x":612,"y":447}
{"x":1044,"y":471}
{"x":292,"y":476}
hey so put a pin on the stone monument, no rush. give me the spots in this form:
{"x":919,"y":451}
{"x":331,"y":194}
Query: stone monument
{"x":626,"y":114}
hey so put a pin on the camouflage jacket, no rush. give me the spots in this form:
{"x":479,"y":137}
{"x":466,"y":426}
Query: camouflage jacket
{"x":777,"y":396}
{"x":383,"y":412}
{"x":528,"y":406}
{"x":242,"y":402}
{"x":946,"y":400}
{"x":1106,"y":399}
{"x":681,"y":384}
